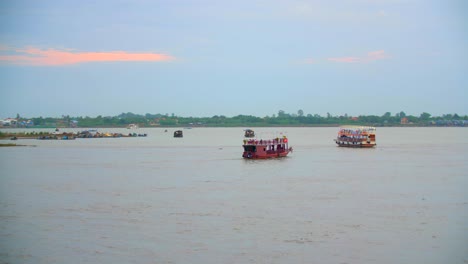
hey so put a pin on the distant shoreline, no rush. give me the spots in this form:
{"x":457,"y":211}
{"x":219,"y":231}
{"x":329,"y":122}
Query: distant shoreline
{"x":130,"y":120}
{"x":242,"y":126}
{"x":14,"y":145}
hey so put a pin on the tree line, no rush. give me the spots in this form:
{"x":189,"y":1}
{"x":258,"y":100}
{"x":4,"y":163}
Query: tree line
{"x":280,"y":119}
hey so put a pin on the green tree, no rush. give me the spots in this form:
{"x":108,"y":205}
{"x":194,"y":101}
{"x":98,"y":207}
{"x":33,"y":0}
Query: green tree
{"x":447,"y":116}
{"x":425,"y":116}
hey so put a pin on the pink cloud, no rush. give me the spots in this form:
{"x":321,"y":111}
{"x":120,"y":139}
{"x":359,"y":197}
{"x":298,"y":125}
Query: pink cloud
{"x":52,"y":57}
{"x":371,"y":56}
{"x":377,"y":55}
{"x":345,"y":59}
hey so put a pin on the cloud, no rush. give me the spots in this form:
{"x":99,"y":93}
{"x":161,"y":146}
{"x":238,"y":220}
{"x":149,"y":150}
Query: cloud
{"x":53,"y":57}
{"x":345,"y":59}
{"x":377,"y":55}
{"x":371,"y":56}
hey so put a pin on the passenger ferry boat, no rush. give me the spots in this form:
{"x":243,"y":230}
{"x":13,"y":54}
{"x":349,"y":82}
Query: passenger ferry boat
{"x":356,"y":137}
{"x":265,"y":149}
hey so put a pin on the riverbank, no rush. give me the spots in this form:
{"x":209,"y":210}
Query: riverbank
{"x":13,"y":145}
{"x":64,"y":135}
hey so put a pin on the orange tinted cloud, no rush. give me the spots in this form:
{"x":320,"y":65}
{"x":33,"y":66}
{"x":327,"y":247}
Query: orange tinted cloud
{"x":53,"y":57}
{"x":371,"y":56}
{"x":377,"y":55}
{"x":345,"y":59}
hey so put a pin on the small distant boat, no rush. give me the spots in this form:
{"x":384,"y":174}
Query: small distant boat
{"x":265,"y":149}
{"x":136,"y":135}
{"x":47,"y":137}
{"x":68,"y":137}
{"x":132,"y":126}
{"x":356,"y":137}
{"x":90,"y":133}
{"x":178,"y":133}
{"x":249,"y":133}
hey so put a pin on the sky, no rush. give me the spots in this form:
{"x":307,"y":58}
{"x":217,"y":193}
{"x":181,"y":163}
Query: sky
{"x":250,"y":57}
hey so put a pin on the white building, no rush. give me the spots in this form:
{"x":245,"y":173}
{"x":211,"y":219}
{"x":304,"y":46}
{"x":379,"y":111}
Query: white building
{"x":9,"y":122}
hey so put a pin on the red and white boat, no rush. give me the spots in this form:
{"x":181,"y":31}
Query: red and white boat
{"x":266,"y":149}
{"x":356,"y":137}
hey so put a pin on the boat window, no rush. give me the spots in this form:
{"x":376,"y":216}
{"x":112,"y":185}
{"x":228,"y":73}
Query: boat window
{"x":250,"y":148}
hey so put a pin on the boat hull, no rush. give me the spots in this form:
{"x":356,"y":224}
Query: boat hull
{"x":355,"y":144}
{"x":262,"y":154}
{"x":253,"y":155}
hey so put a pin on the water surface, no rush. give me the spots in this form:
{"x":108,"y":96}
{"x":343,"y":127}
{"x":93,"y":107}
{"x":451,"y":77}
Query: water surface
{"x":160,"y":199}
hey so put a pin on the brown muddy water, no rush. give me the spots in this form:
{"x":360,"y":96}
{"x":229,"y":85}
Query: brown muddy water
{"x":161,"y":199}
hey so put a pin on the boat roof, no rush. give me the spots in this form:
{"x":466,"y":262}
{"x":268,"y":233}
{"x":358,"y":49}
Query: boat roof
{"x":356,"y":130}
{"x":358,"y":127}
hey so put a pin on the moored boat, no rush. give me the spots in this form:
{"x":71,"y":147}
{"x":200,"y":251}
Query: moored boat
{"x":356,"y":137}
{"x":178,"y":133}
{"x":265,"y":149}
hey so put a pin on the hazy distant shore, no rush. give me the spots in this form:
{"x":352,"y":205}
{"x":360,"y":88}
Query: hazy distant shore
{"x":282,"y":119}
{"x":242,"y":125}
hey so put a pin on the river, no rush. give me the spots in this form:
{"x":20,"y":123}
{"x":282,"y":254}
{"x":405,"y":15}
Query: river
{"x":160,"y":199}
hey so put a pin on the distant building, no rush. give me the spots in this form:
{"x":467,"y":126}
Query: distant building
{"x":25,"y":123}
{"x":9,"y":122}
{"x":404,"y":121}
{"x":73,"y":123}
{"x":451,"y":123}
